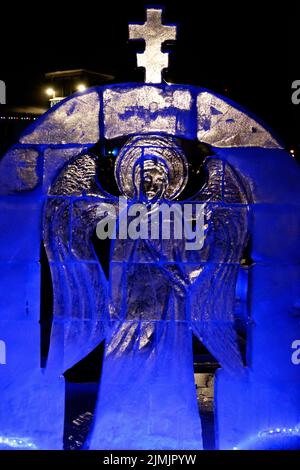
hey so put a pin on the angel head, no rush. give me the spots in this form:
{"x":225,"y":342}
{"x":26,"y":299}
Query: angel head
{"x":150,"y":168}
{"x":150,"y":178}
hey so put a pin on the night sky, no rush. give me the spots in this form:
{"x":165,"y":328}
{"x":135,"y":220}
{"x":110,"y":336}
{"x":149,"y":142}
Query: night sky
{"x":244,"y":53}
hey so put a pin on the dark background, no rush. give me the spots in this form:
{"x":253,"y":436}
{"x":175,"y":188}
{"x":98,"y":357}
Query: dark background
{"x":243,"y":51}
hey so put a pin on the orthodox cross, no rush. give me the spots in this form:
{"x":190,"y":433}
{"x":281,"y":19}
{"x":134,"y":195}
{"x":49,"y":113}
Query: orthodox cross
{"x":154,"y":33}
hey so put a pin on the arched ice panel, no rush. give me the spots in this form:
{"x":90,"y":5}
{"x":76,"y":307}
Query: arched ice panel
{"x":182,"y":111}
{"x":140,"y":109}
{"x":222,"y":123}
{"x":74,"y":121}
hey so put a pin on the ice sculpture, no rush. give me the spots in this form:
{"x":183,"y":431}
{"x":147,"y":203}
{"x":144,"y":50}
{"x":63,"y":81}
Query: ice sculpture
{"x":158,"y":293}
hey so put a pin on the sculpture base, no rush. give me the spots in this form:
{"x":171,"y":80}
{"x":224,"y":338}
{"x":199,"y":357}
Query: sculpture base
{"x":147,"y":397}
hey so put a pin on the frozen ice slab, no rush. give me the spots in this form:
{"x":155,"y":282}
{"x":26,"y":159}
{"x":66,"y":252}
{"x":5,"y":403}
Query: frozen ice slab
{"x":20,"y":229}
{"x":19,"y":291}
{"x":76,"y":120}
{"x":19,"y":171}
{"x":276,"y":233}
{"x":54,"y":161}
{"x":275,"y":312}
{"x":222,"y":124}
{"x":144,"y":109}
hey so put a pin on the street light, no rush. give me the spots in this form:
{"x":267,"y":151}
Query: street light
{"x":50,"y":92}
{"x":81,"y":87}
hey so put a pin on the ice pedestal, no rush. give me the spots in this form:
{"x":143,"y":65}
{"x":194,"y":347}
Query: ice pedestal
{"x":31,"y":415}
{"x":31,"y":399}
{"x":147,"y":397}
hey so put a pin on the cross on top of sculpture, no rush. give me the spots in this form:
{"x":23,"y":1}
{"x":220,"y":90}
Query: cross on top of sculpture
{"x":154,"y":34}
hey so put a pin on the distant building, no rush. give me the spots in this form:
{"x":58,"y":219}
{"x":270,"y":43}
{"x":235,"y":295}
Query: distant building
{"x":14,"y":119}
{"x":64,"y":83}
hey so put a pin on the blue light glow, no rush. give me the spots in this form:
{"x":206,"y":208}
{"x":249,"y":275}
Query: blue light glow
{"x":16,"y":443}
{"x":157,"y":294}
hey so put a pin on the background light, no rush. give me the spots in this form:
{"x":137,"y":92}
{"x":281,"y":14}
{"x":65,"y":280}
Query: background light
{"x":81,"y":87}
{"x":50,"y":92}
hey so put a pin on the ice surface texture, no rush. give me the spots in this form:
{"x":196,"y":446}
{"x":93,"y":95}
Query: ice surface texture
{"x":154,"y":33}
{"x":157,"y":294}
{"x":223,"y":125}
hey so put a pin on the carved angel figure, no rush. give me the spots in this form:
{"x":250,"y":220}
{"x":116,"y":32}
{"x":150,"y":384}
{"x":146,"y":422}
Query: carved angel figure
{"x":158,"y":293}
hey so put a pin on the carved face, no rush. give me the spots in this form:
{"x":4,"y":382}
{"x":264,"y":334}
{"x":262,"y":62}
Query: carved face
{"x":154,"y":182}
{"x":159,"y":159}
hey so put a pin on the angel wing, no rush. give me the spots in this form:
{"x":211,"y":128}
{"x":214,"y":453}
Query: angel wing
{"x":80,"y":313}
{"x":214,"y":274}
